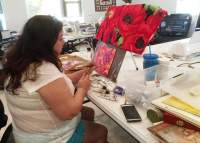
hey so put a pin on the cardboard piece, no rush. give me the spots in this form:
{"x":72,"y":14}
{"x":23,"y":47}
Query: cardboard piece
{"x":72,"y":63}
{"x":168,"y":133}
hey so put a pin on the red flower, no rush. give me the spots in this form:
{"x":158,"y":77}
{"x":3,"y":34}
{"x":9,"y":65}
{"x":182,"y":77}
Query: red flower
{"x":137,"y":42}
{"x":138,"y":34}
{"x":154,"y":20}
{"x":130,"y":17}
{"x":107,"y":27}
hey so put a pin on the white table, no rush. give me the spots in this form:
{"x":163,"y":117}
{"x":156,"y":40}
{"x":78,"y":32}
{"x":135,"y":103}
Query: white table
{"x":137,"y":130}
{"x":75,"y":36}
{"x":127,"y":78}
{"x":112,"y":108}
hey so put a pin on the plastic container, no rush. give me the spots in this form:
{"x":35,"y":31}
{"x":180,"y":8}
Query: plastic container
{"x":141,"y":92}
{"x":150,"y":60}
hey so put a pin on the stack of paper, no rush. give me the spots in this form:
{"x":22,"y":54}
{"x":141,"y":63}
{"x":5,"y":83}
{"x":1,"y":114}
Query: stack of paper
{"x":178,"y":108}
{"x":175,"y":102}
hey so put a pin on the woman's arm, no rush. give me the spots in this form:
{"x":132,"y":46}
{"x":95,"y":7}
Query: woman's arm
{"x":75,"y":76}
{"x":59,"y":98}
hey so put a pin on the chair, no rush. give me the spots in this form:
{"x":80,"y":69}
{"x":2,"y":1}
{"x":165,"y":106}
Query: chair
{"x":198,"y":24}
{"x":7,"y":136}
{"x":173,"y":27}
{"x":69,"y":47}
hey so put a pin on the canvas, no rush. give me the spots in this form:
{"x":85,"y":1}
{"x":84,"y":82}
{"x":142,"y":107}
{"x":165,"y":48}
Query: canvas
{"x":130,"y":27}
{"x":107,"y":60}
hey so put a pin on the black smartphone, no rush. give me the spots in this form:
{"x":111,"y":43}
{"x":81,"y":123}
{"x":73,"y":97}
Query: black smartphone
{"x":131,"y":113}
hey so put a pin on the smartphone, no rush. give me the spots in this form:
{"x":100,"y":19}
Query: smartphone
{"x":131,"y":113}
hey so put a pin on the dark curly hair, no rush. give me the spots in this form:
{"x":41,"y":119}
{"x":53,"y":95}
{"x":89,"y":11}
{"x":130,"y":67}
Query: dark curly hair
{"x":35,"y":45}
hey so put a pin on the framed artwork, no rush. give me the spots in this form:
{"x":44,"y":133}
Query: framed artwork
{"x":102,"y":5}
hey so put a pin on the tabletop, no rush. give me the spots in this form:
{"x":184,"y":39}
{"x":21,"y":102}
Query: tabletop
{"x":130,"y":78}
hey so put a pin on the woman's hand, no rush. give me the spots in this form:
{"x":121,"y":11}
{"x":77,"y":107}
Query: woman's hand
{"x":75,"y":76}
{"x":89,"y":70}
{"x":84,"y":82}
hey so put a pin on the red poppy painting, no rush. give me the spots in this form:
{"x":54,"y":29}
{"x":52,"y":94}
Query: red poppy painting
{"x":130,"y":27}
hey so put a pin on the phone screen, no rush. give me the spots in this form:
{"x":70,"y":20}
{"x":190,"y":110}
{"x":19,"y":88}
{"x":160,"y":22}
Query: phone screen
{"x":130,"y":113}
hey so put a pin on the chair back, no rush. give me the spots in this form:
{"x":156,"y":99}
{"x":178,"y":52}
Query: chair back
{"x":7,"y":135}
{"x":176,"y":25}
{"x":3,"y":116}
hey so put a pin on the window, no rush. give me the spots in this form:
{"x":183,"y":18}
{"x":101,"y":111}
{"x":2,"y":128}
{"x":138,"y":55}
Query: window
{"x":198,"y":21}
{"x":2,"y":18}
{"x":72,"y":8}
{"x":187,"y":6}
{"x":45,"y":7}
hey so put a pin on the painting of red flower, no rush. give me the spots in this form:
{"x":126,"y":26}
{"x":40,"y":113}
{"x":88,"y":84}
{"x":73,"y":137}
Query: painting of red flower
{"x":130,"y":27}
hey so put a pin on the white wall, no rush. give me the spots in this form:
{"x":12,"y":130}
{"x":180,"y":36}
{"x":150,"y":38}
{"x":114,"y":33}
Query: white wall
{"x":90,"y":15}
{"x":169,"y":5}
{"x":15,"y":14}
{"x":185,"y":6}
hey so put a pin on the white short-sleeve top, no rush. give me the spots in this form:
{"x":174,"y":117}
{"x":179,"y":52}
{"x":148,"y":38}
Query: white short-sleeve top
{"x":33,"y":120}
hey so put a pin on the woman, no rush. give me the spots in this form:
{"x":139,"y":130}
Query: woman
{"x":40,"y":96}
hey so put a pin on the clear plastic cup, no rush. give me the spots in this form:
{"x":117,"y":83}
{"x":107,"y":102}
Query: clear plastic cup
{"x":150,"y":60}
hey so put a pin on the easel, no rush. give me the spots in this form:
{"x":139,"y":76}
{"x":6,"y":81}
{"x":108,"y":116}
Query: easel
{"x":116,"y":64}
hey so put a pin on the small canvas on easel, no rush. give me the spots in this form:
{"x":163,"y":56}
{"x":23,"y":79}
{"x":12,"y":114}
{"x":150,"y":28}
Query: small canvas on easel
{"x":107,"y":60}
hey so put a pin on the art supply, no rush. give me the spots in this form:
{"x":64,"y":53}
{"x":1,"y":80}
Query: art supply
{"x":154,"y":115}
{"x":118,"y":90}
{"x":177,"y":75}
{"x":150,"y":49}
{"x":133,"y":58}
{"x":103,"y":87}
{"x":126,"y":99}
{"x":168,"y":133}
{"x":150,"y":60}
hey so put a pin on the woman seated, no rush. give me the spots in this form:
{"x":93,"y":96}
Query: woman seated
{"x":40,"y":97}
